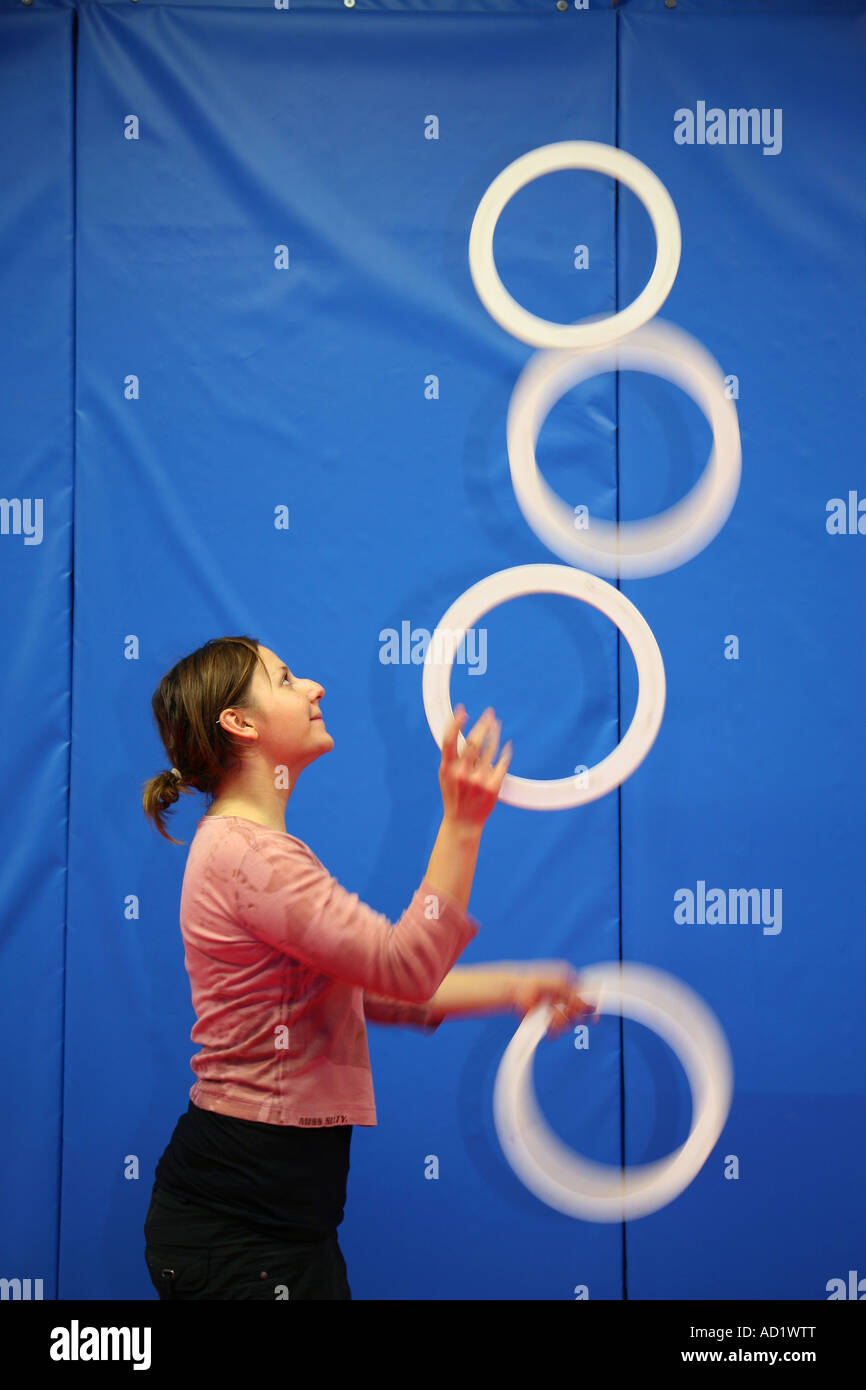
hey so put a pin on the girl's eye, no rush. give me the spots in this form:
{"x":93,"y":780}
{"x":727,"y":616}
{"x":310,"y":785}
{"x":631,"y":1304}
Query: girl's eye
{"x":289,"y":679}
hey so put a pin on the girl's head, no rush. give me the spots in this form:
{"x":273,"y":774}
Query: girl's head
{"x":228,"y":715}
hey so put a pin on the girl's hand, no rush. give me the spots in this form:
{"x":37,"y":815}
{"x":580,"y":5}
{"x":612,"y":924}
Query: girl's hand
{"x":559,"y":986}
{"x":470,"y":784}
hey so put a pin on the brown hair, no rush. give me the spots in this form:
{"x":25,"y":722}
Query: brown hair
{"x":187,"y":705}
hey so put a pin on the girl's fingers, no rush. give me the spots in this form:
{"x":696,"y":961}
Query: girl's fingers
{"x":491,"y":743}
{"x":449,"y":742}
{"x":482,"y":723}
{"x":480,"y":744}
{"x":502,"y":766}
{"x":473,"y":744}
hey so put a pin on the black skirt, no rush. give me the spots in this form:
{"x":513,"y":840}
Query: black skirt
{"x":281,"y":1179}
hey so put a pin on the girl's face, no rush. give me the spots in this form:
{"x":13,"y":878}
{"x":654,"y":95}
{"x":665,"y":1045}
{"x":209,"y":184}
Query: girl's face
{"x":289,"y":721}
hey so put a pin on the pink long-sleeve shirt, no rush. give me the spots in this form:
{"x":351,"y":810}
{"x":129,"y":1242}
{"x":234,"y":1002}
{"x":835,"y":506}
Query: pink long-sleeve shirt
{"x":285,"y":965}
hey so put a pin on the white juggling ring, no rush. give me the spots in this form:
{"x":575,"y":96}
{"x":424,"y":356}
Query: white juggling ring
{"x":593,"y":1191}
{"x":488,"y":593}
{"x":602,"y":159}
{"x":635,"y":548}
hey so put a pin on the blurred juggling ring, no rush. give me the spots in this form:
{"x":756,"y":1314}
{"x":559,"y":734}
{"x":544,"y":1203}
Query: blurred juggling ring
{"x":599,"y":1192}
{"x":642,"y":547}
{"x":488,"y":593}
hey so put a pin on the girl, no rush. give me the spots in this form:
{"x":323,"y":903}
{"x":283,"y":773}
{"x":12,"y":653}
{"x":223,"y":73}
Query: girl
{"x":285,"y":966}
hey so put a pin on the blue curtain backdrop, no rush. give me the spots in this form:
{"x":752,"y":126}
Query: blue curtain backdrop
{"x":248,"y":386}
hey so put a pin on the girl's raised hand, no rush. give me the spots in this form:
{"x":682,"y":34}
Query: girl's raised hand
{"x":469,"y":781}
